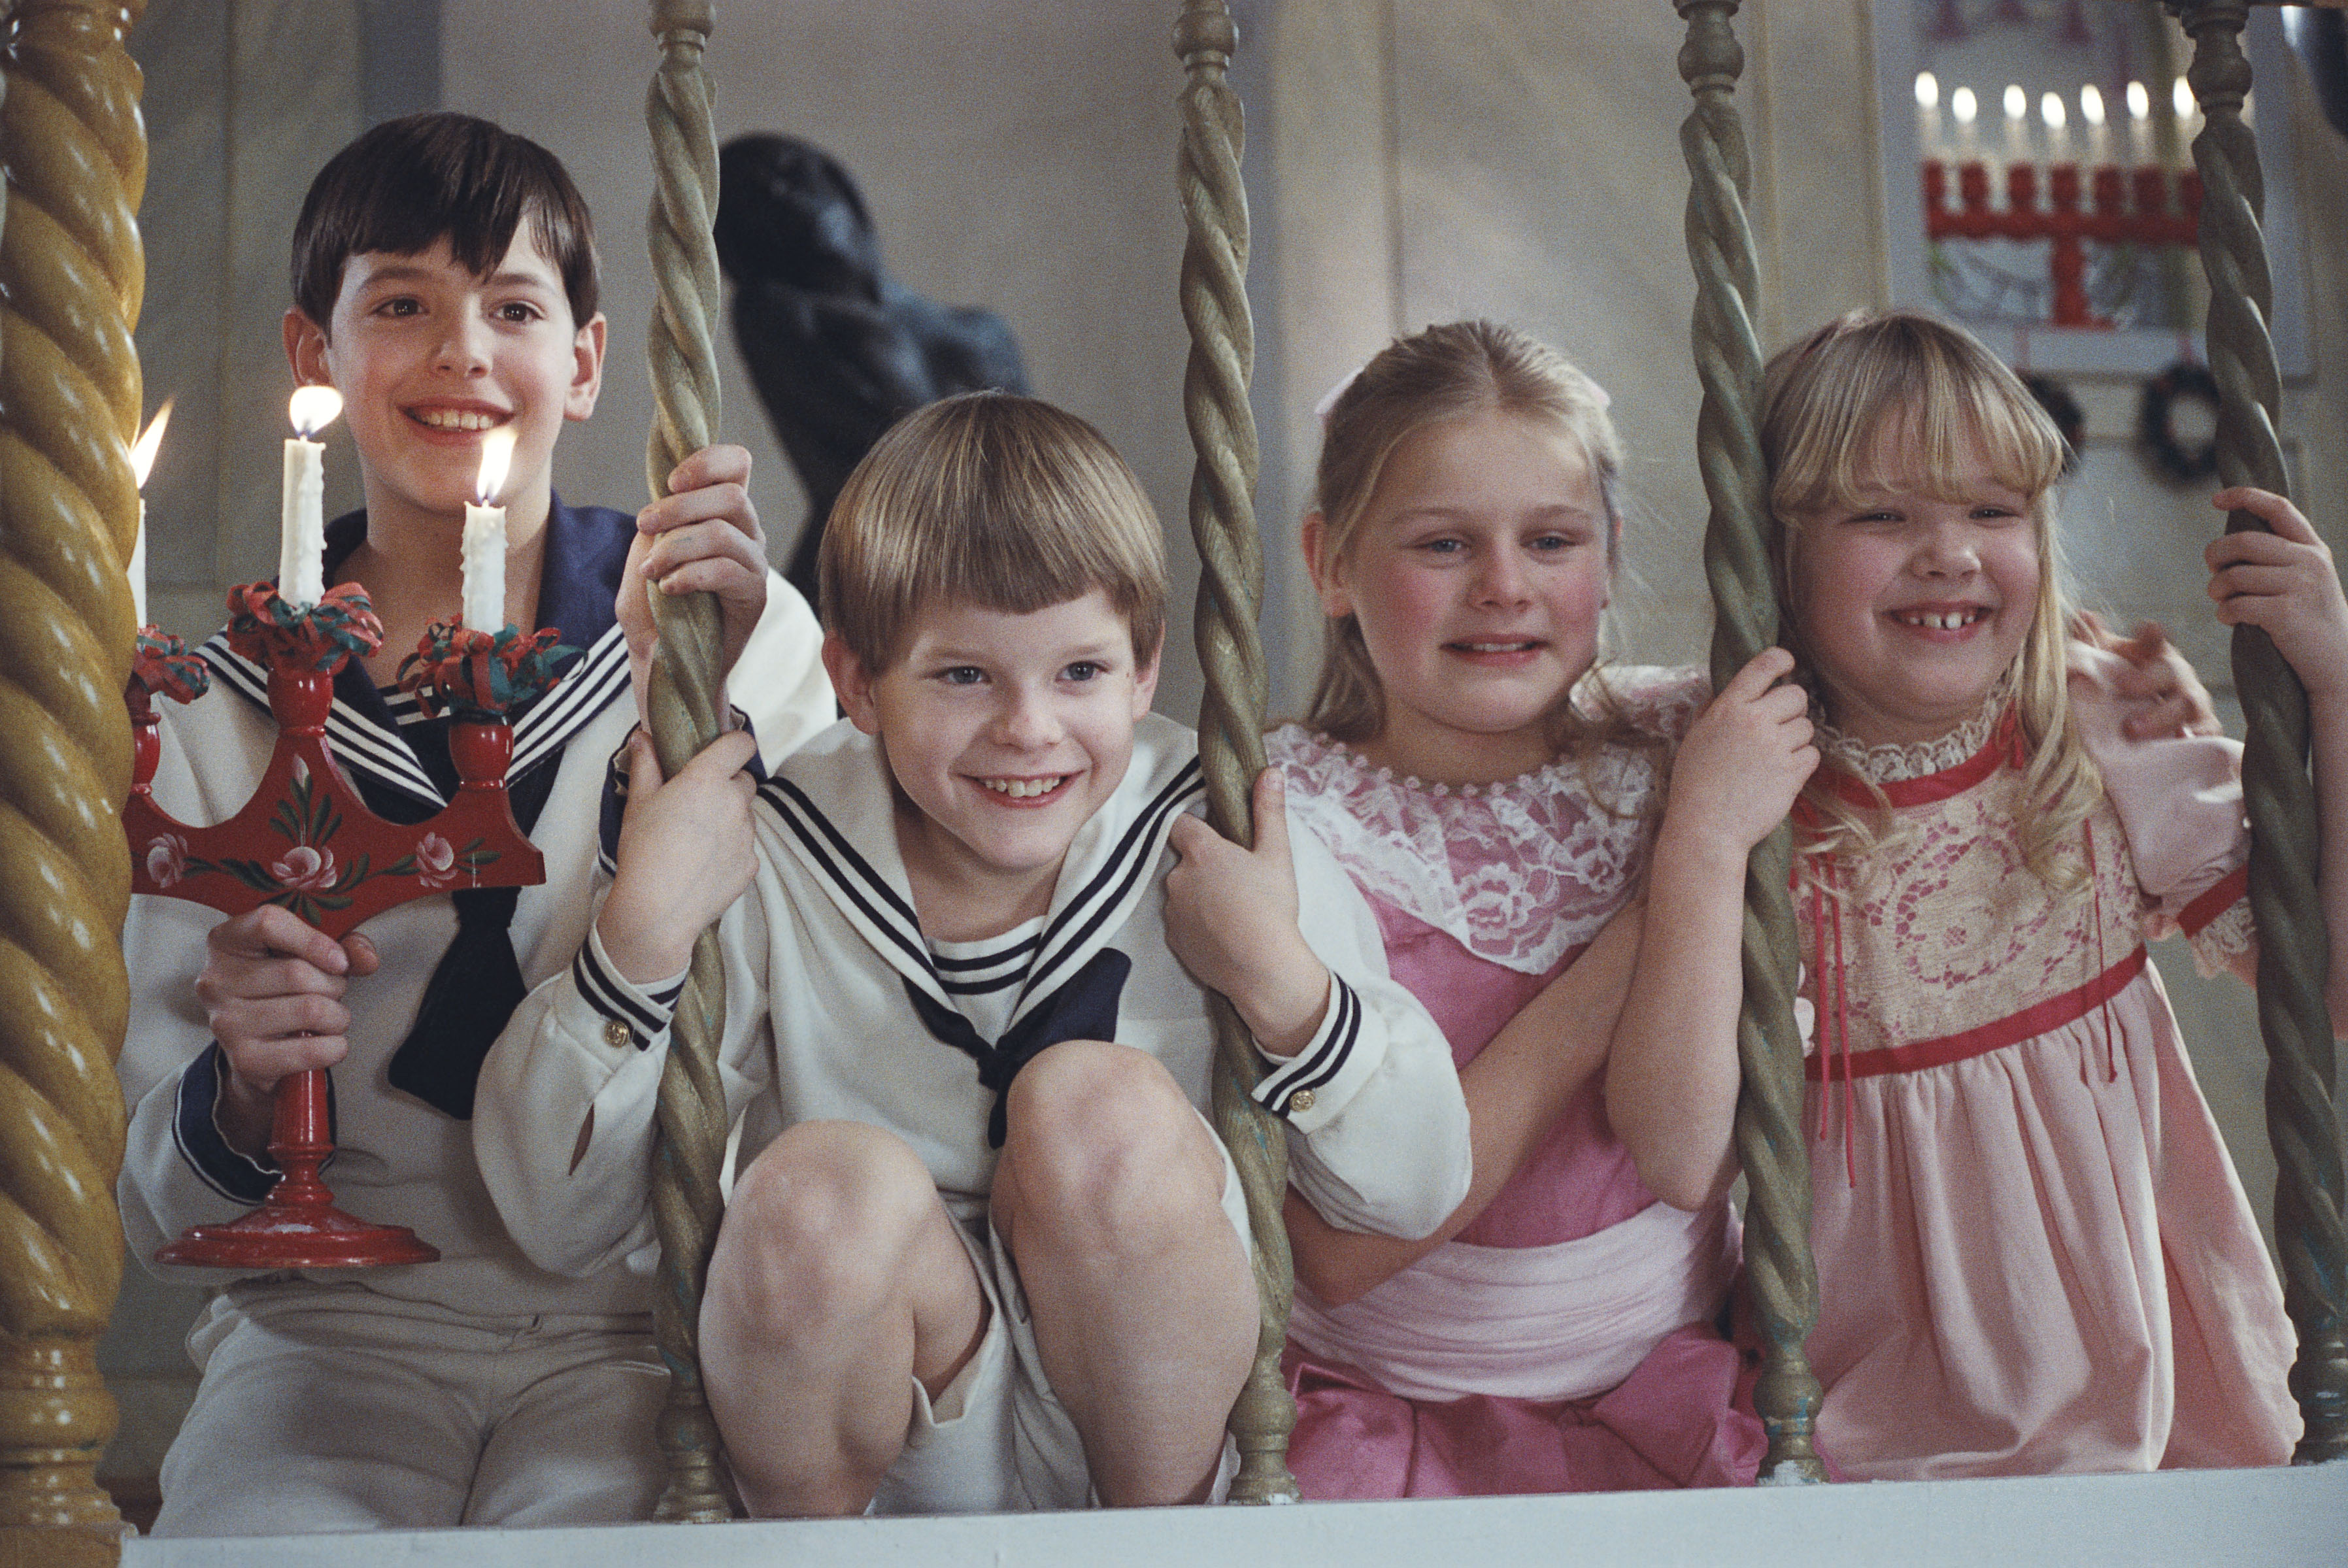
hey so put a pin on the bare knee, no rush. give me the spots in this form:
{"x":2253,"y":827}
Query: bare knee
{"x":817,"y":1227}
{"x":1104,"y":1149}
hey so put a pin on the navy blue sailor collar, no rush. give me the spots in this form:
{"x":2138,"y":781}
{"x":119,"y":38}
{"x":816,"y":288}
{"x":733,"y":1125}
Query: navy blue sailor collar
{"x":833,"y":800}
{"x":586,"y":552}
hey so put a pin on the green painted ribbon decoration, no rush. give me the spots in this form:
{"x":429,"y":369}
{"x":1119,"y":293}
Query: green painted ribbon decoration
{"x":266,"y":627}
{"x":482,"y":677}
{"x":165,"y":667}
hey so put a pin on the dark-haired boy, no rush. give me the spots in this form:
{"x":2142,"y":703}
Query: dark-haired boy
{"x":988,"y":1253}
{"x":445,"y":283}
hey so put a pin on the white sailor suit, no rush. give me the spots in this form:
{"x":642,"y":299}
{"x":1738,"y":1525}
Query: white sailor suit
{"x":480,"y":1388}
{"x":838,"y":1007}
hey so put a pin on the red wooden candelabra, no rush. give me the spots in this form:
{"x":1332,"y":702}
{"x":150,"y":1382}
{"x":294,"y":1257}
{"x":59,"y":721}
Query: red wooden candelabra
{"x":2129,"y":206}
{"x":307,"y":843}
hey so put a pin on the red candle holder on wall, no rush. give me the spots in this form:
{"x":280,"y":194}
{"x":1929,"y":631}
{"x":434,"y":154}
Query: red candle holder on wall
{"x":2144,"y":206}
{"x":306,"y":842}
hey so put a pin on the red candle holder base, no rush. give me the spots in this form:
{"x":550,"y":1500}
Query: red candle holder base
{"x":297,"y":1236}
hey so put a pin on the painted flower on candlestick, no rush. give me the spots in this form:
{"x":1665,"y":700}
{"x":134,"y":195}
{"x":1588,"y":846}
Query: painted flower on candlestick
{"x":305,"y":868}
{"x":436,"y":861}
{"x":479,"y":675}
{"x":166,"y":860}
{"x":268,"y":629}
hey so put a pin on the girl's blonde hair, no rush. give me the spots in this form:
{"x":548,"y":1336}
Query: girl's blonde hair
{"x":1432,"y":377}
{"x":1831,"y":407}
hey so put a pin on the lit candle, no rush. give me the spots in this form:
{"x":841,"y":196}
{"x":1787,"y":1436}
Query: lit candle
{"x":1928,"y":115}
{"x":2017,"y":123}
{"x":1966,"y":107}
{"x":2052,"y":112}
{"x":302,"y":521}
{"x":142,"y":463}
{"x":2099,"y":135}
{"x":2139,"y":102}
{"x":485,"y":538}
{"x":2188,"y":119}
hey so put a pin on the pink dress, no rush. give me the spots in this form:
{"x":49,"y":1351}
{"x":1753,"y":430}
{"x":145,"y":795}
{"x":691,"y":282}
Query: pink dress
{"x":2033,"y":1253}
{"x":1564,"y":1341}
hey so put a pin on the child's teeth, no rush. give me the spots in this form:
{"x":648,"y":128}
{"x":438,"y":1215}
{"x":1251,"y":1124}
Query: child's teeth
{"x":1022,"y":789}
{"x":455,"y":419}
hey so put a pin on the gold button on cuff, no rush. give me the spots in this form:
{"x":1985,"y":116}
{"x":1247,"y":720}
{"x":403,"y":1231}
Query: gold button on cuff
{"x":617,"y":1034}
{"x":1300,"y":1102}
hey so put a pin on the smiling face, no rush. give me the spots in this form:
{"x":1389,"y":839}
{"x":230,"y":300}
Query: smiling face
{"x":1476,"y":575}
{"x":429,"y":358}
{"x":1914,"y":600}
{"x":1004,"y":733}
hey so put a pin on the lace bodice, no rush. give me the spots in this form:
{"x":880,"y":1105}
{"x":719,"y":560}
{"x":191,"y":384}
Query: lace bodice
{"x":1519,"y":873}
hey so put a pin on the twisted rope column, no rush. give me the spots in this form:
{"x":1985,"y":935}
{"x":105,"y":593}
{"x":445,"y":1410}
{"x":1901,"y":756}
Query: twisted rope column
{"x":71,"y":276}
{"x":2294,"y":945}
{"x":1736,"y":556}
{"x":686,"y":1204}
{"x":1230,"y":653}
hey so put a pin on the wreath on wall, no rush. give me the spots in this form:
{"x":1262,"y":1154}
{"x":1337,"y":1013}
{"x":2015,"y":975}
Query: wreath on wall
{"x":2156,"y":426}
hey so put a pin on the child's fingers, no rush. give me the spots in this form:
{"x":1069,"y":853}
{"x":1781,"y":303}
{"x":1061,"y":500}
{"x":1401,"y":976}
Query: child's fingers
{"x":644,"y":774}
{"x":1272,"y":813}
{"x":2276,"y":511}
{"x":269,"y":931}
{"x":2088,"y":627}
{"x":1187,"y":834}
{"x":723,"y":463}
{"x":361,"y":951}
{"x":1759,"y":672}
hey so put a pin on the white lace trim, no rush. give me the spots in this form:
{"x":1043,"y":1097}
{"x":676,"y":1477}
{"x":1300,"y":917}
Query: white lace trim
{"x":1916,"y":758}
{"x":2230,"y":936}
{"x":1518,"y":873}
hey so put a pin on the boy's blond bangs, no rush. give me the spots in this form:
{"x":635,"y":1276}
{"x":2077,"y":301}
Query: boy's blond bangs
{"x":1931,"y":395}
{"x":994,"y":501}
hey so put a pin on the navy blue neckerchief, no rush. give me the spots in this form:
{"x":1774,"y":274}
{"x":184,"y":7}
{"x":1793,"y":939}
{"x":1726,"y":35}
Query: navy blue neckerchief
{"x":1082,"y":1009}
{"x":477,"y":983}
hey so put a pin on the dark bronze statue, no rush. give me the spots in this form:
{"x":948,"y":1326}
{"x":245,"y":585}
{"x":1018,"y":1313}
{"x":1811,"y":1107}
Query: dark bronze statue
{"x":836,"y":351}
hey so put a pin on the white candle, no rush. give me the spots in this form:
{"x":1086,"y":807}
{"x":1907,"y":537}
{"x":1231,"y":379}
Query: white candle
{"x":2054,"y":115}
{"x":142,"y":463}
{"x":2139,"y":107}
{"x":302,"y":519}
{"x":2099,"y":135}
{"x":485,"y":538}
{"x":2017,"y":123}
{"x":1966,"y":107}
{"x":1928,"y":115}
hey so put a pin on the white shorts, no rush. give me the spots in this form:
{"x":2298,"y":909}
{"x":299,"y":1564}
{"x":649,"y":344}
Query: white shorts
{"x":328,"y":1408}
{"x":997,"y":1439}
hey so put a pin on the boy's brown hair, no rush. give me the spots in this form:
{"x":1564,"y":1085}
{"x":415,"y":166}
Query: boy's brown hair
{"x":989,"y":499}
{"x":409,"y":182}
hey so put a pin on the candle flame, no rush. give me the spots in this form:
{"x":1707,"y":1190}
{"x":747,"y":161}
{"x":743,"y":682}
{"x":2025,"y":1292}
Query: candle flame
{"x":2017,"y":102}
{"x":497,"y":456}
{"x":2180,"y":97}
{"x":2050,"y":110}
{"x":1963,"y":105}
{"x":2091,"y":104}
{"x":2139,"y":99}
{"x":151,"y":441}
{"x":1928,"y":89}
{"x":312,"y":409}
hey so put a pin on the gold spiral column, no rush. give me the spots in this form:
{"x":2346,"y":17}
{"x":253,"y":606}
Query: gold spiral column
{"x":1231,"y":655}
{"x":71,"y":274}
{"x":686,"y":1205}
{"x":2294,"y":947}
{"x":1783,"y":1278}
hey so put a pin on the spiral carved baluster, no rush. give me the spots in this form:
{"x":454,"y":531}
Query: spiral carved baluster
{"x":1230,"y":653}
{"x":71,"y":276}
{"x":2302,"y":1122}
{"x":1728,"y":449}
{"x":686,"y":1204}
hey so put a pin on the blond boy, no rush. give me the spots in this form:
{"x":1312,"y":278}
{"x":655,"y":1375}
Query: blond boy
{"x":983,"y":1252}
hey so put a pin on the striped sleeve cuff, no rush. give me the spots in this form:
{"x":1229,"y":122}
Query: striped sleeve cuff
{"x":633,"y":1015}
{"x":195,"y":1129}
{"x":1293,"y":1088}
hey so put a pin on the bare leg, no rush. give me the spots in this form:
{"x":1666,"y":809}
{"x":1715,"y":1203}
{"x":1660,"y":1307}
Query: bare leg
{"x":1109,"y":1196}
{"x":838,"y":1277}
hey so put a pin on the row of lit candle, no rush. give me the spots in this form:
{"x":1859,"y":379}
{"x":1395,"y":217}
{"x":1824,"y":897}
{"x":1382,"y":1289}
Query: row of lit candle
{"x":2054,"y":118}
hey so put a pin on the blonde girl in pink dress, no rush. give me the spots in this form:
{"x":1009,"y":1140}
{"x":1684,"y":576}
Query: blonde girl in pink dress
{"x":2033,"y":1253}
{"x":1496,"y":799}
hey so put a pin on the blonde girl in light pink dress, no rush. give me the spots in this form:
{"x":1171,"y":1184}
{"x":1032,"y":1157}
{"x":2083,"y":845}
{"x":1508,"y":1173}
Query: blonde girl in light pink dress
{"x":1497,"y":801}
{"x":2033,"y":1253}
